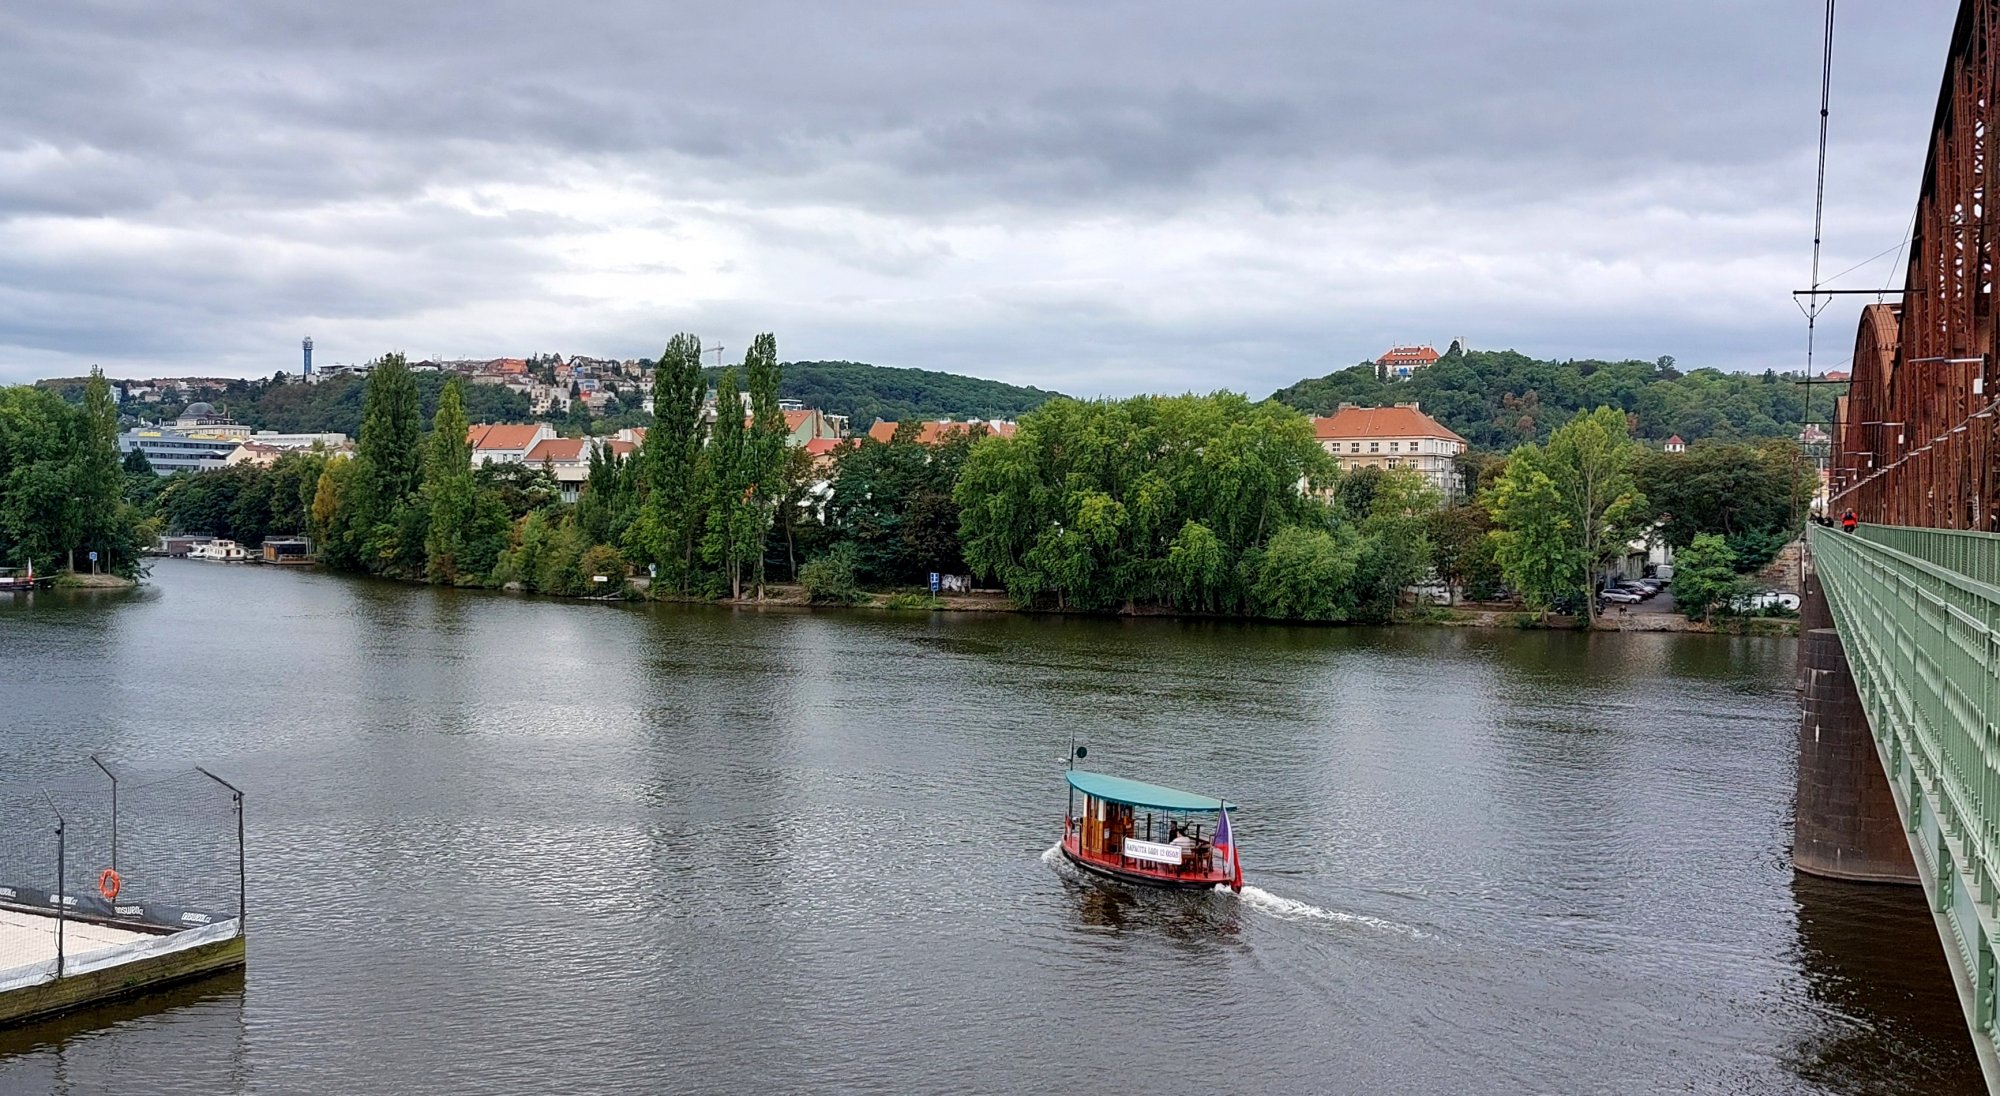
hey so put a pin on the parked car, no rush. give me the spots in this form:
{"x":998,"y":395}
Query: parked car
{"x":1620,"y":595}
{"x":1765,"y":599}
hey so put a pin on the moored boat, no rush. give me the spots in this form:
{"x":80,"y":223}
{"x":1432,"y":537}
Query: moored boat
{"x":219,"y":551}
{"x":13,"y":581}
{"x":1149,"y":834}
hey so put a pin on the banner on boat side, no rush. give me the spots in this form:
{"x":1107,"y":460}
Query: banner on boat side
{"x":157,"y":914}
{"x":1153,"y":851}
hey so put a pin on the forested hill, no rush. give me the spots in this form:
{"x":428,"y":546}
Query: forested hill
{"x":865,"y":393}
{"x":1498,"y":399}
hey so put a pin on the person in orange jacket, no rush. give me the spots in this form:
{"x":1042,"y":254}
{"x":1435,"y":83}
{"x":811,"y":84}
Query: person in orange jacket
{"x":1848,"y":521}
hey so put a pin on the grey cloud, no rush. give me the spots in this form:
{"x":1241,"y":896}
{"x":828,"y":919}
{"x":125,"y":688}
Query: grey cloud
{"x":324,"y":133}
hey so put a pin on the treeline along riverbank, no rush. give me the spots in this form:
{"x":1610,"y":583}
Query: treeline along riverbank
{"x":1197,"y":504}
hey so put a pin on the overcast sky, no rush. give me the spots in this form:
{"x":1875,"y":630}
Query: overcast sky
{"x":1101,"y":198}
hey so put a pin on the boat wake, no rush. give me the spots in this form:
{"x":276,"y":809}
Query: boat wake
{"x":1291,"y":909}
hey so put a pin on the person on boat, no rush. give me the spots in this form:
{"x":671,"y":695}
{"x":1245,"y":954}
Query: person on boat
{"x":1178,"y":835}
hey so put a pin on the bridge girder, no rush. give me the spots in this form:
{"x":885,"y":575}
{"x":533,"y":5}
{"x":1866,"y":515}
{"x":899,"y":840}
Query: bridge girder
{"x":1917,"y":438}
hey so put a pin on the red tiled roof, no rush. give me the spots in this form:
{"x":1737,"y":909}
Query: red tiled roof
{"x":501,"y":437}
{"x":1409,"y":355}
{"x":820,"y":447}
{"x":796,"y":419}
{"x":1837,"y":376}
{"x":932,"y":433}
{"x":1675,"y":440}
{"x":621,"y":449}
{"x":556,"y":450}
{"x":1380,"y":422}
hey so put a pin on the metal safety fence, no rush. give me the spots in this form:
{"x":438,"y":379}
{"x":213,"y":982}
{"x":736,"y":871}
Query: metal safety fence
{"x":1918,"y":614}
{"x":1963,"y":552}
{"x":106,"y":856}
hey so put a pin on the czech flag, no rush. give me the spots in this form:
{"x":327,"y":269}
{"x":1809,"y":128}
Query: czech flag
{"x":1225,"y":843}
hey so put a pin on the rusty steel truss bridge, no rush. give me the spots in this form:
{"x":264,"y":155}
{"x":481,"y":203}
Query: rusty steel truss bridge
{"x":1914,"y":595}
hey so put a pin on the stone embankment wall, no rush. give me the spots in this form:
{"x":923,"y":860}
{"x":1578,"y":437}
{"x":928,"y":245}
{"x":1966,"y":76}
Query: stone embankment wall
{"x":1782,"y":573}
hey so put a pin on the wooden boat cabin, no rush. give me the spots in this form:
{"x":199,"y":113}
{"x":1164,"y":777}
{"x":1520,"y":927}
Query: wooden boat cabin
{"x":1145,"y":833}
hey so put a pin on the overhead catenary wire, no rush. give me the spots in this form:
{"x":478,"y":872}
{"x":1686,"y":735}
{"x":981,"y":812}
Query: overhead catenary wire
{"x":1813,"y":308}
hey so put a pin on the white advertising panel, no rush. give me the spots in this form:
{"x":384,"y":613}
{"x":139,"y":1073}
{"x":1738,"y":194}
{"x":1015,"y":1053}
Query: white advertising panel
{"x":1153,"y":851}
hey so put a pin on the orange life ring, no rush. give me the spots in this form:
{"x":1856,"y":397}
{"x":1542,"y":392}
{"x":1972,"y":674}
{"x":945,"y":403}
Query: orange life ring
{"x":107,"y":884}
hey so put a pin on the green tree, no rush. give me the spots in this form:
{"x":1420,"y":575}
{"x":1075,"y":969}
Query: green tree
{"x":385,"y":529}
{"x":448,"y":487}
{"x":1084,"y":507}
{"x":1308,"y":574}
{"x":765,"y":450}
{"x":1462,"y":549}
{"x":829,"y":578}
{"x":666,"y":530}
{"x":292,"y":483}
{"x":1568,"y":508}
{"x":333,"y":516}
{"x":1754,"y":495}
{"x":1396,"y":541}
{"x":1535,"y":544}
{"x":39,"y":515}
{"x":105,"y":522}
{"x":1705,"y":575}
{"x":731,"y":518}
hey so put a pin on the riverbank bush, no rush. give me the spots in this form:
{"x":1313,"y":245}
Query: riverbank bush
{"x":829,"y":579}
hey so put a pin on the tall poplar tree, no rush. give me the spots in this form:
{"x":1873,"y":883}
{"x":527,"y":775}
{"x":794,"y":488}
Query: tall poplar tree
{"x":388,"y":469}
{"x":769,"y":436}
{"x":448,"y":487}
{"x":665,"y":532}
{"x":731,"y":511}
{"x":104,"y":523}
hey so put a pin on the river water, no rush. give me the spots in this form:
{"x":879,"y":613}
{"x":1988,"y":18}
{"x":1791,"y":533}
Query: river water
{"x":501,"y":844}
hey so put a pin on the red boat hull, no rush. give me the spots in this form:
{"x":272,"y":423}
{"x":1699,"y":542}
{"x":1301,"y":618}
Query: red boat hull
{"x":1128,"y":870}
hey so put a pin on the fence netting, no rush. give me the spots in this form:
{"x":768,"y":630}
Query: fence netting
{"x":92,"y":857}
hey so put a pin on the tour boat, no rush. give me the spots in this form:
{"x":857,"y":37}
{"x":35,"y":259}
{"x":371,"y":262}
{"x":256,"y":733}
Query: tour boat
{"x":1144,"y":833}
{"x":16,"y":581}
{"x":220,"y":551}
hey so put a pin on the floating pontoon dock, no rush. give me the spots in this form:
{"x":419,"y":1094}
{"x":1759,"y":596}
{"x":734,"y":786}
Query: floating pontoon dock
{"x":92,"y":910}
{"x":102,"y":961}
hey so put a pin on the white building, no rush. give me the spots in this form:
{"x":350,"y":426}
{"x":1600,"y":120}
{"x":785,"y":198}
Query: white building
{"x":505,"y":443}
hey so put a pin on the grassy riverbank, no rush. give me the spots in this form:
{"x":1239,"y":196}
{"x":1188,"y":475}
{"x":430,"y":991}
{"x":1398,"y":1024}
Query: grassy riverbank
{"x":1484,"y":616}
{"x":82,"y":580}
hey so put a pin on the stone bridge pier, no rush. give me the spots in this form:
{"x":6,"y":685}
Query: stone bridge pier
{"x":1846,"y":825}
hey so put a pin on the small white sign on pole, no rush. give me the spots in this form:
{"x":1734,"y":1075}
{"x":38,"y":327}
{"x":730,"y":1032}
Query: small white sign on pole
{"x":1153,"y":851}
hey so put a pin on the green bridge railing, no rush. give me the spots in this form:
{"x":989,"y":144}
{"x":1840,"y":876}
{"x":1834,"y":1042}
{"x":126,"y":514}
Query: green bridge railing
{"x":1919,"y":616}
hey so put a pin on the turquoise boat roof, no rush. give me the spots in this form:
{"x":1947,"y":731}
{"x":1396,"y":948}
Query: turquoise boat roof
{"x":1137,"y":793}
